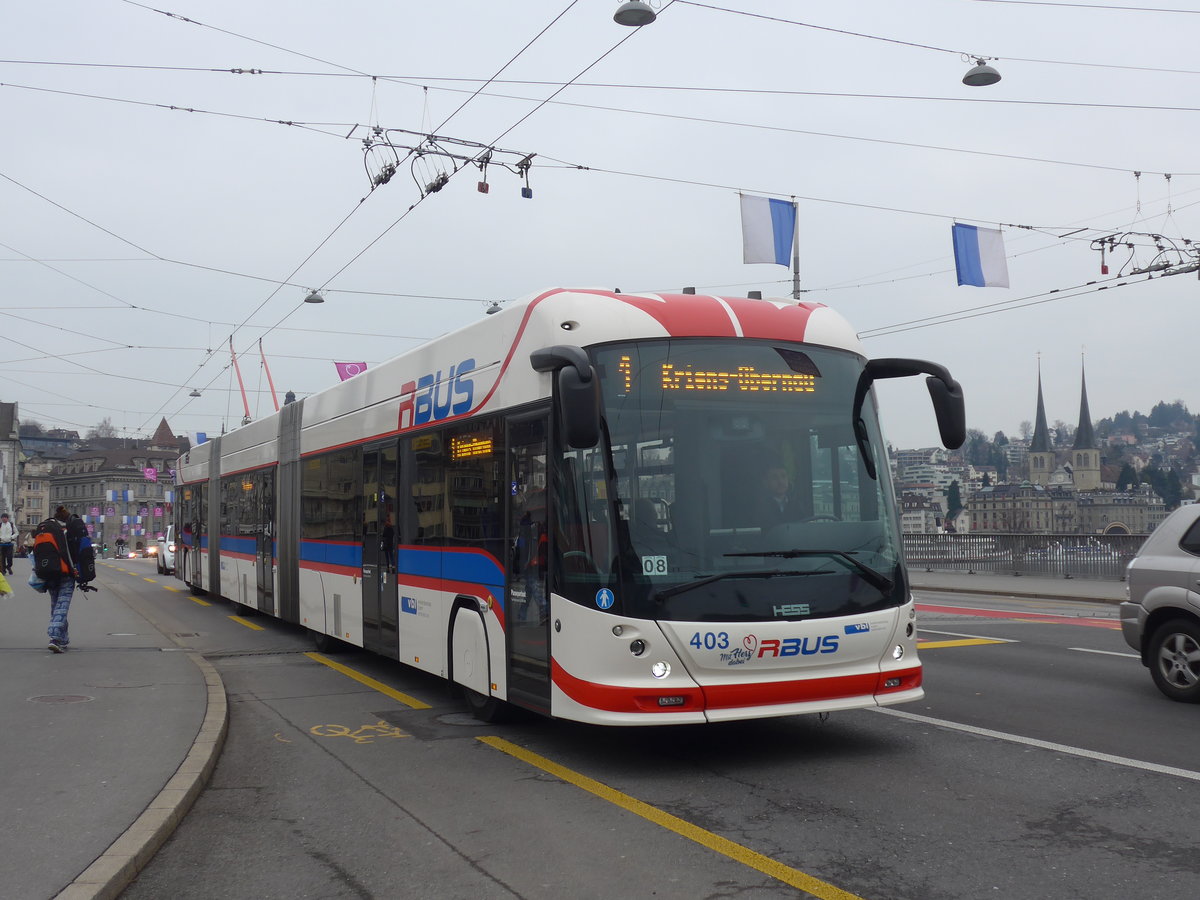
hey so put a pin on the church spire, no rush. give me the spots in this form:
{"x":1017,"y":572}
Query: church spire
{"x":1040,"y":443}
{"x":1085,"y":437}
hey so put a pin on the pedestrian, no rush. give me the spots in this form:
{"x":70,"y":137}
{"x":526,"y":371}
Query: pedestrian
{"x":69,"y":531}
{"x":8,"y":540}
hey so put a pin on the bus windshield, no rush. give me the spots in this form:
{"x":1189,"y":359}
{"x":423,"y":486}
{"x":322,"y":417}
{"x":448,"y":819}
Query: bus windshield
{"x":729,"y":485}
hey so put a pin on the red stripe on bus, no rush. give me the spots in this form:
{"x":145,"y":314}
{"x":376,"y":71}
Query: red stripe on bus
{"x":613,"y":698}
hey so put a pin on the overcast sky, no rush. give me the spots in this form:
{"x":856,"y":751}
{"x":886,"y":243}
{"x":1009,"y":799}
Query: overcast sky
{"x":153,"y":204}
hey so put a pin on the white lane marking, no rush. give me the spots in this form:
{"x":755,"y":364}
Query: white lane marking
{"x":1104,"y":652}
{"x":978,"y":637}
{"x":1044,"y":745}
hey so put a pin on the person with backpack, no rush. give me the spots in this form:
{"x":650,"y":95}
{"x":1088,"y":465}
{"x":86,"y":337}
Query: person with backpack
{"x":57,"y":547}
{"x":8,"y":541}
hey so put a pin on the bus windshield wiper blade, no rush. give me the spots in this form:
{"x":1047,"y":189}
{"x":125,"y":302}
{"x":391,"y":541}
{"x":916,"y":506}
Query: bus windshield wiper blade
{"x":876,"y":579}
{"x":700,"y":582}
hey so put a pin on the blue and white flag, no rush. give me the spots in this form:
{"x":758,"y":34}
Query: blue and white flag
{"x":768,"y":229}
{"x":196,"y":438}
{"x":979,"y":256}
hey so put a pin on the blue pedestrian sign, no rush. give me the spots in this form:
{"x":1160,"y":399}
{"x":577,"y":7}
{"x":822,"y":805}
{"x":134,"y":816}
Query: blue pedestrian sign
{"x":605,"y":598}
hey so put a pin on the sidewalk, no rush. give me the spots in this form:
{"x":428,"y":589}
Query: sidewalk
{"x":1039,"y":587}
{"x":105,"y":747}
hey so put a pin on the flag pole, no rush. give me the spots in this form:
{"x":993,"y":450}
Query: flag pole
{"x":795,"y":249}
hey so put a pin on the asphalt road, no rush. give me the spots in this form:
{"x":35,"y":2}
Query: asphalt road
{"x":1041,"y":765}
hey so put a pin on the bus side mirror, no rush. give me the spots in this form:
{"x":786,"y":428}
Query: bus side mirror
{"x":944,"y":391}
{"x":951,"y":411}
{"x":578,"y":392}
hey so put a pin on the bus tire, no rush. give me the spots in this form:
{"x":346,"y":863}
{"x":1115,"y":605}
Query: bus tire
{"x":487,"y":709}
{"x":325,"y":643}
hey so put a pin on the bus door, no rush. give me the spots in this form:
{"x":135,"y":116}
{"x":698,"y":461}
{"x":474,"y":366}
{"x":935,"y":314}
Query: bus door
{"x":527,"y":609}
{"x":264,"y":550}
{"x":193,"y":527}
{"x":381,"y":633}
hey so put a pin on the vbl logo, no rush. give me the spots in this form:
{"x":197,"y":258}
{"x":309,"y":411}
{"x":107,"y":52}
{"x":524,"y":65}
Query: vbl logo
{"x":430,"y":398}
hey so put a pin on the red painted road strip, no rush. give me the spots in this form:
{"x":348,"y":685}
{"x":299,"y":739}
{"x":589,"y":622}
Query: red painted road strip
{"x":1011,"y":614}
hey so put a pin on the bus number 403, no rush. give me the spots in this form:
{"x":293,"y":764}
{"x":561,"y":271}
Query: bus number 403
{"x":710,"y":640}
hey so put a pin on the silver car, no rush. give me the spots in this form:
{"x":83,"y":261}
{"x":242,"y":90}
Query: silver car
{"x":1161,"y":618}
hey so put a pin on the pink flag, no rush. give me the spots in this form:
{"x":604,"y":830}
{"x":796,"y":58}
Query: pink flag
{"x":151,"y":474}
{"x":349,"y":370}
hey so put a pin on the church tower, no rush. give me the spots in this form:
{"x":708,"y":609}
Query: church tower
{"x":1041,"y":454}
{"x":1085,"y":455}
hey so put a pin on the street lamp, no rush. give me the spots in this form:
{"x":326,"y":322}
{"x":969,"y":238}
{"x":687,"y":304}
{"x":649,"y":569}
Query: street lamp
{"x":981,"y":74}
{"x":634,"y":13}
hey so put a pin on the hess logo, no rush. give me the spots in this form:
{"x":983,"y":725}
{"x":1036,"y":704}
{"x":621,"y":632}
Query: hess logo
{"x":431,"y":397}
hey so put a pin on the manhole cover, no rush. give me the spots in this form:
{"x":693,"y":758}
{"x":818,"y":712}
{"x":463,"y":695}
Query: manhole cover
{"x":61,"y":698}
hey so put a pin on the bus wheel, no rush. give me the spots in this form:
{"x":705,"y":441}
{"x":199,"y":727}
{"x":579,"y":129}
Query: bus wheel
{"x":325,"y":643}
{"x":486,"y":709}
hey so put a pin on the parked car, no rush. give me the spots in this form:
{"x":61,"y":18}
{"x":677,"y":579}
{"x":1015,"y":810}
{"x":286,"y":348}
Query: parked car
{"x":166,"y":552}
{"x":1161,"y":618}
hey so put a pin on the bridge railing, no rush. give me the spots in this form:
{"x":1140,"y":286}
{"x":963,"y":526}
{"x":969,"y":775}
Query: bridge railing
{"x":1100,"y":556}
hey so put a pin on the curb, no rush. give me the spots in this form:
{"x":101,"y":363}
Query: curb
{"x":117,"y":866}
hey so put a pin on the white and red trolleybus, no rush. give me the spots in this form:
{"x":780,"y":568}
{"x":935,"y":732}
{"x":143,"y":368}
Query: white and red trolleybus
{"x":574,"y":506}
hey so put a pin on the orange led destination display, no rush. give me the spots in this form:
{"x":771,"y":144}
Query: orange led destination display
{"x":742,"y":379}
{"x":469,"y":446}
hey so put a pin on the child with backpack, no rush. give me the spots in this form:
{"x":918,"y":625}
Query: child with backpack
{"x":58,"y":552}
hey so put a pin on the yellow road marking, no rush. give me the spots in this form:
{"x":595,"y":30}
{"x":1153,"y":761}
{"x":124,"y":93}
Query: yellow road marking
{"x":793,"y":877}
{"x":203,"y":602}
{"x":151,"y":580}
{"x":175,"y":589}
{"x":411,"y":702}
{"x":245,"y":622}
{"x":964,"y":642}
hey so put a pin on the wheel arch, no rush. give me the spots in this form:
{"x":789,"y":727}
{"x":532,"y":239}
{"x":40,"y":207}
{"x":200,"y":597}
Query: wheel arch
{"x":467,"y":605}
{"x":1155,"y":620}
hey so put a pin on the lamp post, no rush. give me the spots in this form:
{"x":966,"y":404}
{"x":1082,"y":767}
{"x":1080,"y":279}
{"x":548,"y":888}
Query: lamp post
{"x":634,"y":13}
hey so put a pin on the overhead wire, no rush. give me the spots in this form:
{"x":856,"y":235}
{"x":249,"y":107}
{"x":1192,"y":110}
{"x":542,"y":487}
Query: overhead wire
{"x":303,"y":126}
{"x":875,"y":37}
{"x":1153,"y":9}
{"x":543,"y":102}
{"x":418,"y":202}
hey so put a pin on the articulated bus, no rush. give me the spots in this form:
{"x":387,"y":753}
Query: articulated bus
{"x":614,"y":508}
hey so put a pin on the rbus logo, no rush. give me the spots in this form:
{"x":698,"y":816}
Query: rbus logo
{"x":431,"y":398}
{"x":798,"y":646}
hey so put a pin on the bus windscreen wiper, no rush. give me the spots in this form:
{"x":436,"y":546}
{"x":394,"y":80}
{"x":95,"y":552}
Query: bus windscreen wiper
{"x":748,"y":573}
{"x":876,"y":579}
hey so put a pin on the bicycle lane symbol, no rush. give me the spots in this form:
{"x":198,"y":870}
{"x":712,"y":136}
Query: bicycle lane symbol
{"x":364,"y":734}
